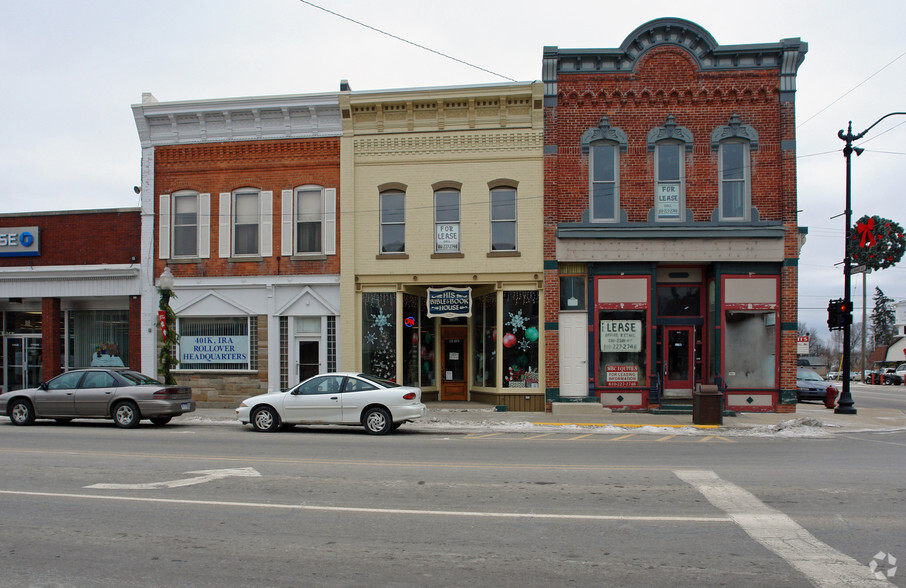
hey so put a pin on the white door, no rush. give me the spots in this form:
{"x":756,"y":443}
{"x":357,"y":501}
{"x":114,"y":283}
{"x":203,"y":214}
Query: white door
{"x":573,"y":353}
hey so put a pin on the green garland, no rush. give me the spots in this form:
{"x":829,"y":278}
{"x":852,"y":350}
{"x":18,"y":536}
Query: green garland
{"x":876,"y":242}
{"x":167,"y":359}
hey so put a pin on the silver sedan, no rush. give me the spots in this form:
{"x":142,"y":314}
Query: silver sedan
{"x":122,"y":395}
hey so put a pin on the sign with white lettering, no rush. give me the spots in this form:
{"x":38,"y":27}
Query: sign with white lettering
{"x":449,"y":302}
{"x":621,"y":336}
{"x":447,"y":238}
{"x":622,"y":375}
{"x":19,"y":242}
{"x":214,"y":349}
{"x":667,"y":201}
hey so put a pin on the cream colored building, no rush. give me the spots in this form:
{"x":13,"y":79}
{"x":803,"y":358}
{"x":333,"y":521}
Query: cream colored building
{"x":442,"y":199}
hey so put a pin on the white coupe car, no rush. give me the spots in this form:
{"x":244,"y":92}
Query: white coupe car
{"x":336,"y":399}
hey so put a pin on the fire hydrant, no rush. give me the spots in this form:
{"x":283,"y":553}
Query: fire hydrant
{"x":830,"y":397}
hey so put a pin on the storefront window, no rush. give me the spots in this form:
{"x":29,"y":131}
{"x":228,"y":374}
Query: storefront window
{"x":520,"y":339}
{"x":379,"y":334}
{"x":98,"y":338}
{"x":750,"y":349}
{"x":411,"y":341}
{"x":214,"y":343}
{"x":679,"y":301}
{"x":484,"y":340}
{"x":428,"y":340}
{"x":623,"y":349}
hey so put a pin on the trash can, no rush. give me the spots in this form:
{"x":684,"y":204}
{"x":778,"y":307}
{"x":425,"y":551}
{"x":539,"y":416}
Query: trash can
{"x":707,"y":405}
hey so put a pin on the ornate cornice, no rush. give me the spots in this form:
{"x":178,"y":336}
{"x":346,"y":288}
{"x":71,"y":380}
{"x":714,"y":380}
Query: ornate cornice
{"x":429,"y":145}
{"x":605,"y":132}
{"x":734,"y":129}
{"x":670,"y":130}
{"x":236,"y":119}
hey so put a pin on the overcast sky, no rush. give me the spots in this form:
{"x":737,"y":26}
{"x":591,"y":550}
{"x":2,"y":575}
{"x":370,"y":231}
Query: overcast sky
{"x":73,"y":68}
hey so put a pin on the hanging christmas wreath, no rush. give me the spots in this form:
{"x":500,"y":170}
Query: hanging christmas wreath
{"x":877,"y":242}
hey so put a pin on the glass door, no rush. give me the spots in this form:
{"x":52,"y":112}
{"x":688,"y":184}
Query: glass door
{"x":309,"y":359}
{"x":23,"y":361}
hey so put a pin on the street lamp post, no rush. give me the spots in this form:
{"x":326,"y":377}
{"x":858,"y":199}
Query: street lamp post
{"x":845,"y":405}
{"x":165,"y":287}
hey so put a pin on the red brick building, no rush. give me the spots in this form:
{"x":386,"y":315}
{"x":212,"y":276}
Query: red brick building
{"x":70,"y":289}
{"x":671,"y":235}
{"x":241,"y":202}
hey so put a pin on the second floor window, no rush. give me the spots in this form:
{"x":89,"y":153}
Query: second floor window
{"x":670,"y":203}
{"x":734,"y":180}
{"x":604,"y":170}
{"x":308,"y":220}
{"x":185,"y":224}
{"x":503,"y":219}
{"x":393,"y":221}
{"x":446,"y":221}
{"x":246,"y":218}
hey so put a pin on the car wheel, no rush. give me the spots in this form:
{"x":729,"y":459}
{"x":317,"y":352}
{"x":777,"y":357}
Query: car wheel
{"x":888,"y":382}
{"x":126,"y":415}
{"x":21,"y":412}
{"x":377,"y":421}
{"x":160,"y":420}
{"x":265,"y":419}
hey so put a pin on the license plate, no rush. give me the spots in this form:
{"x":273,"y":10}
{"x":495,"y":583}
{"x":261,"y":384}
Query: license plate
{"x":184,"y":406}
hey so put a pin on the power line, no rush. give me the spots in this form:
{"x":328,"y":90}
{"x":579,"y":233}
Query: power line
{"x":392,"y":36}
{"x":851,"y":90}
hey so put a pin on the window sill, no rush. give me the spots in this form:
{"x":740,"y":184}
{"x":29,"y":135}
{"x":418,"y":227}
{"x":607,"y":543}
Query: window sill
{"x":504,"y":254}
{"x":308,"y":257}
{"x":178,"y":260}
{"x":392,"y":256}
{"x":447,"y":255}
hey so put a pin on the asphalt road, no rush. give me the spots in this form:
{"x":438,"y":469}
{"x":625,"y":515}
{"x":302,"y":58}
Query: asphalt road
{"x":219,"y":505}
{"x":872,"y":396}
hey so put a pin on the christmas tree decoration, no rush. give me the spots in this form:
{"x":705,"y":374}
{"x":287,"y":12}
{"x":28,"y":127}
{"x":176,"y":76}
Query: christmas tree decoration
{"x":509,"y":340}
{"x":531,"y":334}
{"x":877,"y":242}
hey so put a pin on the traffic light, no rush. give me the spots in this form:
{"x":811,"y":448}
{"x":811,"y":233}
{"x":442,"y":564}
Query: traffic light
{"x":839,"y":314}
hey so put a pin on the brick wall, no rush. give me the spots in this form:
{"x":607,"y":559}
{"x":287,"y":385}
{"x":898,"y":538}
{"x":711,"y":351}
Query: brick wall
{"x":267,"y":165}
{"x":80,"y":238}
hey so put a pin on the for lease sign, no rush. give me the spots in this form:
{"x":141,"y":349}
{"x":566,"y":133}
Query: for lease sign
{"x":621,"y":336}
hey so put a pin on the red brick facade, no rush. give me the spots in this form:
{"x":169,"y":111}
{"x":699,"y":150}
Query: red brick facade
{"x":665,"y":71}
{"x":275,"y":166}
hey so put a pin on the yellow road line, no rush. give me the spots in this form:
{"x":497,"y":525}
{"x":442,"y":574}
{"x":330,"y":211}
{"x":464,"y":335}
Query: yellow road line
{"x":626,"y":425}
{"x":538,"y":436}
{"x":579,"y":437}
{"x":666,"y":438}
{"x":624,"y":436}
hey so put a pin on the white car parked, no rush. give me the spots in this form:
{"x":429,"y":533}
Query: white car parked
{"x":336,"y":399}
{"x":901,"y":371}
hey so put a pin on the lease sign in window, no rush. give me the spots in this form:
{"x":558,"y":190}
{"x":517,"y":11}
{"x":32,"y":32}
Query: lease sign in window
{"x":621,"y":336}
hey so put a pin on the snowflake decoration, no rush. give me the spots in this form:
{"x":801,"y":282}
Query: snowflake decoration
{"x":381,"y":320}
{"x":517,"y":321}
{"x":525,"y":344}
{"x":369,"y":338}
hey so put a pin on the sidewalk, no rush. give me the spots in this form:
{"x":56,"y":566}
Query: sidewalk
{"x":809,"y":420}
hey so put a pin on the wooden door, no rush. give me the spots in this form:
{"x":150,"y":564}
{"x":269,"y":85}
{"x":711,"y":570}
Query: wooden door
{"x":454,"y":364}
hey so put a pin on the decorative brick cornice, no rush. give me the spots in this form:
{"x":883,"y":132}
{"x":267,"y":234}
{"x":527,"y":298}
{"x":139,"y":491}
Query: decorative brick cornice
{"x":785,"y":56}
{"x":406,"y":146}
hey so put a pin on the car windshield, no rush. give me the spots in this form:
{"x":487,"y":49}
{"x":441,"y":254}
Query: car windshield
{"x":379,"y":381}
{"x":137,"y":379}
{"x":809,"y":375}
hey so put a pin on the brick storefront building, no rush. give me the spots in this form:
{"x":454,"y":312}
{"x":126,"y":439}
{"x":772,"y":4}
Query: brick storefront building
{"x":671,"y":240}
{"x":70,"y":289}
{"x":240,"y":200}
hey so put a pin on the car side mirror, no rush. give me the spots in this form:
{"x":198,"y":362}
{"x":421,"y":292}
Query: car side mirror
{"x":42,"y":386}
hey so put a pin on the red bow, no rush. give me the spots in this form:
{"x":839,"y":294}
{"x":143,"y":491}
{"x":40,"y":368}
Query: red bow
{"x":865,"y":229}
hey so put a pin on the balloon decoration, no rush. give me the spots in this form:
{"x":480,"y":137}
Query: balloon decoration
{"x":877,"y":243}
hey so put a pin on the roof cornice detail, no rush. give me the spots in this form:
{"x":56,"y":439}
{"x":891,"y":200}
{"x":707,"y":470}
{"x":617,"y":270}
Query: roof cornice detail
{"x":786,"y":55}
{"x":236,"y":119}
